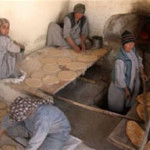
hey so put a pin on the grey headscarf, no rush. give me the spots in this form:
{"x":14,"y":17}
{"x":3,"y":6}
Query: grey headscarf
{"x":79,"y":8}
{"x":21,"y":107}
{"x":3,"y":20}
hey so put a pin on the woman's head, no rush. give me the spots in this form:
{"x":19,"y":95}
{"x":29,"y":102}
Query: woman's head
{"x":128,"y":41}
{"x":4,"y":26}
{"x":79,"y":10}
{"x":22,"y":108}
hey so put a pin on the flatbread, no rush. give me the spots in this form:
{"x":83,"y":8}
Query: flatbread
{"x":63,"y":61}
{"x":33,"y":82}
{"x":87,"y":58}
{"x":30,"y":65}
{"x":38,"y":74}
{"x":147,"y":146}
{"x":8,"y":147}
{"x":67,"y":75}
{"x":76,"y":66}
{"x":140,"y":111}
{"x":135,"y":133}
{"x":3,"y":113}
{"x":140,"y":99}
{"x":50,"y":80}
{"x":50,"y":69}
{"x":48,"y":60}
{"x":55,"y":53}
{"x":2,"y":105}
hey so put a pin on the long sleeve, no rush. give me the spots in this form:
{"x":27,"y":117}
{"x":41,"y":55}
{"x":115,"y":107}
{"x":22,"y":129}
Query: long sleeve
{"x":67,"y":27}
{"x":12,"y":47}
{"x":120,"y":74}
{"x":85,"y":28}
{"x":41,"y":129}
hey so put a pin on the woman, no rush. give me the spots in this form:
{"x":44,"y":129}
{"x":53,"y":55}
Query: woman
{"x":74,"y":32}
{"x":10,"y":57}
{"x":125,"y":77}
{"x":36,"y":124}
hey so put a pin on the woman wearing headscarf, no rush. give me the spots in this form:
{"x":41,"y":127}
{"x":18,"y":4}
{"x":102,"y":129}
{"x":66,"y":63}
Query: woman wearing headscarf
{"x":36,"y":124}
{"x":125,"y":76}
{"x":74,"y":31}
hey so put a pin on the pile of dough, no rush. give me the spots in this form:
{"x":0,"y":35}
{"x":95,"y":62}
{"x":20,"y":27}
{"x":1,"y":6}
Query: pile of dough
{"x":50,"y":69}
{"x":67,"y":75}
{"x":50,"y":80}
{"x":30,"y":65}
{"x":76,"y":66}
{"x":33,"y":82}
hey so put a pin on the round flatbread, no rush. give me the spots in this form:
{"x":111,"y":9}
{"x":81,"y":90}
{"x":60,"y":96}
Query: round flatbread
{"x":3,"y":113}
{"x":76,"y":66}
{"x":38,"y":74}
{"x":8,"y":147}
{"x":30,"y":65}
{"x":50,"y":69}
{"x":33,"y":82}
{"x":140,"y":111}
{"x":135,"y":133}
{"x":147,"y":146}
{"x":48,"y":60}
{"x":87,"y":58}
{"x":50,"y":80}
{"x":2,"y":105}
{"x":63,"y":61}
{"x":55,"y":53}
{"x":67,"y":75}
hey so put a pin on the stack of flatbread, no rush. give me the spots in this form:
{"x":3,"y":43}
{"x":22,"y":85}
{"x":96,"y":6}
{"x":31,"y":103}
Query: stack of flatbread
{"x":140,"y":111}
{"x":135,"y":133}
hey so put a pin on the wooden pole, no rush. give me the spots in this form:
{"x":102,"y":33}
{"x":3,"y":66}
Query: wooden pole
{"x":89,"y":107}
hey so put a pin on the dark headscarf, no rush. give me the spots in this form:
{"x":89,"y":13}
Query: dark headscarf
{"x":127,"y":37}
{"x":20,"y":108}
{"x":79,"y":8}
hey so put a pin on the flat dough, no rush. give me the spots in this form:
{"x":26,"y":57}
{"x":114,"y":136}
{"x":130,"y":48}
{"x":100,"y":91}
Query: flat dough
{"x":50,"y":69}
{"x":67,"y":75}
{"x":2,"y":105}
{"x":8,"y":147}
{"x":49,"y":60}
{"x":87,"y":58}
{"x":76,"y":66}
{"x":55,"y":53}
{"x":135,"y":133}
{"x":50,"y":80}
{"x":30,"y":65}
{"x":33,"y":82}
{"x":38,"y":74}
{"x":63,"y":61}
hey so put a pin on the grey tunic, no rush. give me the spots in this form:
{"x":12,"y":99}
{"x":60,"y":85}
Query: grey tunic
{"x":7,"y":57}
{"x":116,"y":94}
{"x":56,"y":35}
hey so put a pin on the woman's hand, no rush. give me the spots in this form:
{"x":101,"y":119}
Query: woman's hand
{"x":127,"y":93}
{"x":144,"y":76}
{"x":83,"y":47}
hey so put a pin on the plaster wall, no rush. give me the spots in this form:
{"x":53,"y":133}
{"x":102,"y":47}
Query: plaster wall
{"x":99,"y":11}
{"x":29,"y":19}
